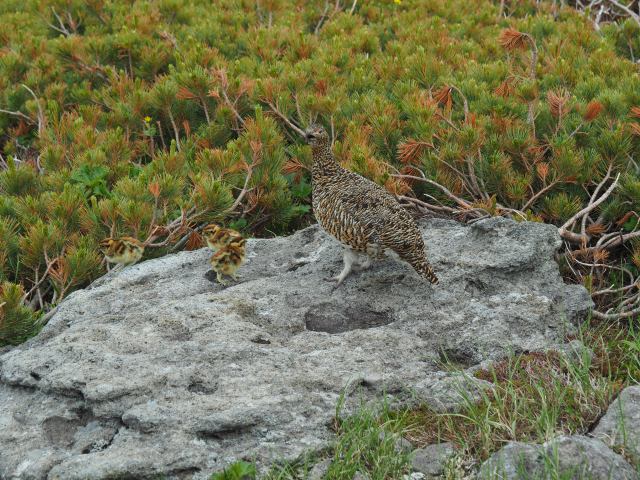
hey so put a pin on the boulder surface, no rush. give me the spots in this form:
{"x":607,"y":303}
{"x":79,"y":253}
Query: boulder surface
{"x":620,"y":426}
{"x":576,"y":457}
{"x":157,"y":370}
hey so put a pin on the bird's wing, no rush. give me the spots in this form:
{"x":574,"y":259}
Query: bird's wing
{"x":389,"y":222}
{"x":359,"y":212}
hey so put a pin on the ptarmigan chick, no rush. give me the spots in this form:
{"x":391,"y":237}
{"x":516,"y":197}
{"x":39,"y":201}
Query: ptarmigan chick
{"x":122,"y":251}
{"x":228,"y":259}
{"x":218,"y":237}
{"x":362,"y":215}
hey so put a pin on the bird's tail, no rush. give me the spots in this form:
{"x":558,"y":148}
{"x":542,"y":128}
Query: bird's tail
{"x":418,"y":261}
{"x":425,"y":270}
{"x":411,"y":249}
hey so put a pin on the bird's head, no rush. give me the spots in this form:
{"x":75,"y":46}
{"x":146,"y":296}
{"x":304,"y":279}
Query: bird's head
{"x":316,"y":135}
{"x":106,"y":244}
{"x":211,"y":230}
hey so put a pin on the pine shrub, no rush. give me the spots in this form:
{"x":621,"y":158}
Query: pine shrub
{"x":121,"y":118}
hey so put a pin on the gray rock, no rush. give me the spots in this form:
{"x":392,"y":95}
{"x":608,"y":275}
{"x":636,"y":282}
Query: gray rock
{"x":620,"y":426}
{"x":401,"y":444}
{"x":513,"y":462}
{"x":414,"y":476}
{"x":432,"y":459}
{"x":446,"y":392}
{"x":158,"y":371}
{"x":319,"y":470}
{"x":572,"y":458}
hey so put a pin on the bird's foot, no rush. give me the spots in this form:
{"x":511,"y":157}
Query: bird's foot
{"x":337,"y":281}
{"x":366,"y":264}
{"x":333,"y":279}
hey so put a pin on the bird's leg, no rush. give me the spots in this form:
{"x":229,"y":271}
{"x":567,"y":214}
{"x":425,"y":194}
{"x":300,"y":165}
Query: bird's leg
{"x":118,"y":267}
{"x":221,"y":280}
{"x":366,"y":263}
{"x":348,"y":257}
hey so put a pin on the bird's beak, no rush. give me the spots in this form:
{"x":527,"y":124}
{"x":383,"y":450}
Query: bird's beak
{"x":308,"y":136}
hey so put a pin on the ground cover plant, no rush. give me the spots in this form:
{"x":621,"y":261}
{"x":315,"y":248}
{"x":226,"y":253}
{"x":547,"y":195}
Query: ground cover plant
{"x":151,"y":119}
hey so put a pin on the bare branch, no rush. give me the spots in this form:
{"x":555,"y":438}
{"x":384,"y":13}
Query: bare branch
{"x":465,"y":103}
{"x":175,"y":128}
{"x":426,"y":205}
{"x":615,"y":316}
{"x":626,"y":10}
{"x":322,"y":17}
{"x":276,"y":110}
{"x":231,"y":105}
{"x":243,"y":192}
{"x":18,"y":114}
{"x":444,"y":189}
{"x":565,"y":231}
{"x":532,"y":200}
{"x":608,"y":291}
{"x":40,"y":281}
{"x":47,"y":316}
{"x":41,"y":117}
{"x":61,"y":28}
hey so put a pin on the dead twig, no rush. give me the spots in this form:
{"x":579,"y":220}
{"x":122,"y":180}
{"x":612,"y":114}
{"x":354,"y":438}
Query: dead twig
{"x":275,"y":109}
{"x":27,"y":118}
{"x":609,"y":291}
{"x":635,"y":16}
{"x":465,"y":103}
{"x":582,"y":237}
{"x":175,"y":128}
{"x":444,"y":189}
{"x":323,"y":17}
{"x":221,"y":74}
{"x":38,"y":281}
{"x":43,"y":320}
{"x":62,"y":28}
{"x":541,"y":192}
{"x":615,"y":316}
{"x":427,"y":206}
{"x":41,"y":117}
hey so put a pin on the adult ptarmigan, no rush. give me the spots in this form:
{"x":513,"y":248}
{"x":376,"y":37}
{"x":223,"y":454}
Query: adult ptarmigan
{"x":360,"y":214}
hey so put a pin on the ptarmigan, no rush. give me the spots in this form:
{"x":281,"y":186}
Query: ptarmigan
{"x":228,"y":259}
{"x":360,"y":214}
{"x":123,"y":250}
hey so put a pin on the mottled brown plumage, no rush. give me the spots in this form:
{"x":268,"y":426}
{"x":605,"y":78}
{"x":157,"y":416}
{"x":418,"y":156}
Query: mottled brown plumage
{"x":123,"y":250}
{"x":361,"y":214}
{"x":218,"y":237}
{"x":228,"y":259}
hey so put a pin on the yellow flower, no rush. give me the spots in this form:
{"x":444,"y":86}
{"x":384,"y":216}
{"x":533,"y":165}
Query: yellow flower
{"x":397,"y":2}
{"x":147,"y":119}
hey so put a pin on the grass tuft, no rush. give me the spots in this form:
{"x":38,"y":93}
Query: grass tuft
{"x":535,"y":397}
{"x":367,"y":443}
